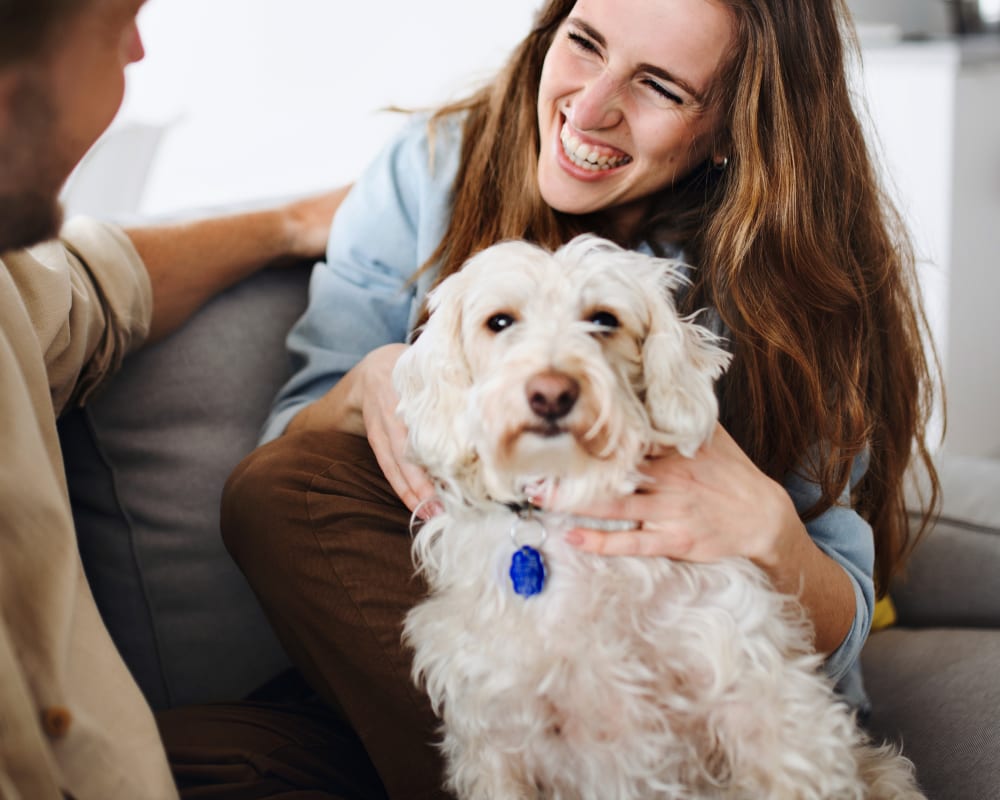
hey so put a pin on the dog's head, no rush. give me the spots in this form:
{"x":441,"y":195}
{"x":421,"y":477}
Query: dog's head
{"x":539,"y":368}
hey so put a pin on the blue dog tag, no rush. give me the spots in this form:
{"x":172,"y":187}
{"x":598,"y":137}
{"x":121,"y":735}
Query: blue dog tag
{"x":527,"y":571}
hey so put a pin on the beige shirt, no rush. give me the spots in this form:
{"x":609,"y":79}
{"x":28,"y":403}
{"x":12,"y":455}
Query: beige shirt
{"x":72,"y":720}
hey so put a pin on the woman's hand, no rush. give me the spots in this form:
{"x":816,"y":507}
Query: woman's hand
{"x":719,"y":504}
{"x":387,"y":433}
{"x":712,"y":506}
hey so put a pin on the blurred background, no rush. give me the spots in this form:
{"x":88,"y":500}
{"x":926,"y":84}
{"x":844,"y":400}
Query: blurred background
{"x":243,"y":100}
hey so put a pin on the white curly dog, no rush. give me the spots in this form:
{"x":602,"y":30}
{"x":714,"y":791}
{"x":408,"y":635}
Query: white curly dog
{"x":562,"y":674}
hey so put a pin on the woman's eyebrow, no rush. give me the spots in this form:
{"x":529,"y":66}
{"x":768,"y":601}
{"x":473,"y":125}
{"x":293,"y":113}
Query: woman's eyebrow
{"x":652,"y":69}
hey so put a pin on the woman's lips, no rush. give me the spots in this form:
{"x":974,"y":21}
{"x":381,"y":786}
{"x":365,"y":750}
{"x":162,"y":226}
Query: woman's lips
{"x":588,"y":156}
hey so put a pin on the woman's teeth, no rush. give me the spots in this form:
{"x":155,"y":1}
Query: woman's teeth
{"x":587,"y":156}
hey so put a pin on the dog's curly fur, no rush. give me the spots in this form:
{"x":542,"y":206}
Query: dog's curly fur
{"x":625,"y":677}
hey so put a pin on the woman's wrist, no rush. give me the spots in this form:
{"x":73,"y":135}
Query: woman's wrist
{"x":798,"y":567}
{"x":339,"y":409}
{"x":343,"y":407}
{"x":784,"y":544}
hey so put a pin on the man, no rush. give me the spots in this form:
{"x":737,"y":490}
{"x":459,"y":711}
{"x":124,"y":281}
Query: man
{"x":72,"y":721}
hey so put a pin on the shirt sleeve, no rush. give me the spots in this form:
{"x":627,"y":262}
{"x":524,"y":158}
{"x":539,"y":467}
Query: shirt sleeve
{"x":362,"y":297}
{"x":90,"y":303}
{"x":844,"y":536}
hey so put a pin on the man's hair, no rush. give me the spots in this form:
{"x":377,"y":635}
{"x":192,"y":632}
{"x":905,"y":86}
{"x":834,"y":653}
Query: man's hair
{"x":26,"y":25}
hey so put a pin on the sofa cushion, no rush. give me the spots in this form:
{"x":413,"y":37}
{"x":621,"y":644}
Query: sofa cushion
{"x":146,"y":462}
{"x":932,"y":678}
{"x":935,"y":690}
{"x":952,"y":578}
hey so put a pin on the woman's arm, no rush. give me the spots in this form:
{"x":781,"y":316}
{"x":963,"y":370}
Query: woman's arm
{"x":188,"y":263}
{"x":362,"y":302}
{"x":361,"y":296}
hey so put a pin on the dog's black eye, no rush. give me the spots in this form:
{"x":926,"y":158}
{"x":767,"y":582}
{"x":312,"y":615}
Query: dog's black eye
{"x":604,"y":320}
{"x":500,"y":322}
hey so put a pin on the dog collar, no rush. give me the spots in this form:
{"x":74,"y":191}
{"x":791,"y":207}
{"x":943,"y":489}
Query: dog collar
{"x":527,"y":510}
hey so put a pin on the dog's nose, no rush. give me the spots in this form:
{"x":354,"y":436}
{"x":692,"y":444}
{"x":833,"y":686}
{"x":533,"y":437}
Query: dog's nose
{"x":552,"y":395}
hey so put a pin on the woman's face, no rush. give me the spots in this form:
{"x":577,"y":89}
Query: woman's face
{"x":621,"y":103}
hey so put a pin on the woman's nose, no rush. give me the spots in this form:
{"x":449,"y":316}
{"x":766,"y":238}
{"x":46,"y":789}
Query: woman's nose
{"x":597,"y":106}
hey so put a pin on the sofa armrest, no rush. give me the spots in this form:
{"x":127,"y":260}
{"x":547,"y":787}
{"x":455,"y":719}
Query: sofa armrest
{"x":953,"y":579}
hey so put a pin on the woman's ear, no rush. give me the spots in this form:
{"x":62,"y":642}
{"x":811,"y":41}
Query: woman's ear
{"x":681,"y":361}
{"x":433,"y":378}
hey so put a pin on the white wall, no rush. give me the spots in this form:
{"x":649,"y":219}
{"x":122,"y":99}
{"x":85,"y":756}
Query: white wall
{"x":913,"y":17}
{"x":272,"y":97}
{"x":933,"y":105}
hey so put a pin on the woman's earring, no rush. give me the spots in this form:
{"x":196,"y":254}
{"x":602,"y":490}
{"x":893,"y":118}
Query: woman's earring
{"x":720,"y":166}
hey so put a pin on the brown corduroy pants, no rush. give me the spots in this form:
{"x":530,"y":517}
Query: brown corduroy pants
{"x":324,"y":541}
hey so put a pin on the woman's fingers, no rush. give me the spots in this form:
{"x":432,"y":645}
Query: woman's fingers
{"x":714,"y":505}
{"x":652,"y":539}
{"x":409,"y":481}
{"x":387,"y":434}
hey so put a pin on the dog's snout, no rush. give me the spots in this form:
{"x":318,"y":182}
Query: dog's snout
{"x":552,"y":395}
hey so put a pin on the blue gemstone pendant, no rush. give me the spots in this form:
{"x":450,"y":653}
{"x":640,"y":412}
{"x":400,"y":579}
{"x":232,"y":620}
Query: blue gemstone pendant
{"x":527,"y":571}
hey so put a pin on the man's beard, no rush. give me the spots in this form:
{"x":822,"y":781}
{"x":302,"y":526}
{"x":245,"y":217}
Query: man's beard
{"x":30,"y":176}
{"x":26,"y":219}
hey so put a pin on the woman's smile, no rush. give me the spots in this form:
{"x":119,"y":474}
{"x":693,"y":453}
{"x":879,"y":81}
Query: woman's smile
{"x":588,"y":155}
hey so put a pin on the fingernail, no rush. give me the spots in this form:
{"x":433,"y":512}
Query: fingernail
{"x":430,"y":509}
{"x":574,"y":538}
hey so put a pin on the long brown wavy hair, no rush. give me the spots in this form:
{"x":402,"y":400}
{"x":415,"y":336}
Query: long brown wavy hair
{"x":795,"y":244}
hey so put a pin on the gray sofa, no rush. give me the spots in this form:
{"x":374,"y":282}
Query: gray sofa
{"x":147,"y":459}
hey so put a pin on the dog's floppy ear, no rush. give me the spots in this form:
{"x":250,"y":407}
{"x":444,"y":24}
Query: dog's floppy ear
{"x":432,"y":379}
{"x":681,"y":361}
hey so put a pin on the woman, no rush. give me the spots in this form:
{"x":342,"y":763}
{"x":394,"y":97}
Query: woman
{"x":719,"y":129}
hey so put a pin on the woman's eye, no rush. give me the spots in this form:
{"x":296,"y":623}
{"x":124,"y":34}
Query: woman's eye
{"x":582,"y":42}
{"x":605,"y":321}
{"x":500,"y":322}
{"x":662,"y":91}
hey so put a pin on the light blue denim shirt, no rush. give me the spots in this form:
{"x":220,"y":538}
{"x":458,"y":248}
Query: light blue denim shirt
{"x":362,"y":297}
